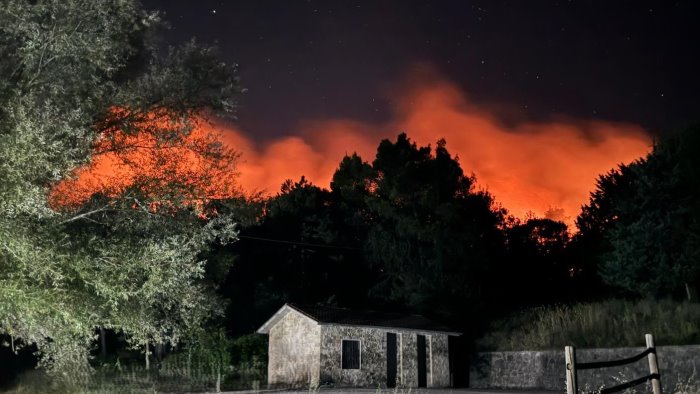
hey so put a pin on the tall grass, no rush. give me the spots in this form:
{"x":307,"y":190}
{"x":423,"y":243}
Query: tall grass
{"x":211,"y":362}
{"x":612,"y":323}
{"x":175,"y":374}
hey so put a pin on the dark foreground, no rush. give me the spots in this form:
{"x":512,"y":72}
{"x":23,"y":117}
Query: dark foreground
{"x":394,"y":391}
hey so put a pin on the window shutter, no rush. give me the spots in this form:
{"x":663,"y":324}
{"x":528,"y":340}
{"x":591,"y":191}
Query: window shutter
{"x":351,"y":354}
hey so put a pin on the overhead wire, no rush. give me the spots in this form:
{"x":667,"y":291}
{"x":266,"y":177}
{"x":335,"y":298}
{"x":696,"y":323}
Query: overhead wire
{"x":309,"y":244}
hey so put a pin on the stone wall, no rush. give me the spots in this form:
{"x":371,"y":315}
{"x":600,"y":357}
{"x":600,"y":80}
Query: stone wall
{"x":545,"y":370}
{"x":294,"y":352}
{"x":439,"y":362}
{"x":372,"y":372}
{"x":408,"y":359}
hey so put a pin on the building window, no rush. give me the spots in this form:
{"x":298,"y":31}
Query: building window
{"x":350,"y":354}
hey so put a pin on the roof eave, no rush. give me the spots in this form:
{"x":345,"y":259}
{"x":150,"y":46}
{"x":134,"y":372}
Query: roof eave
{"x":388,"y":328}
{"x":265,"y":328}
{"x":287,"y":308}
{"x":282,"y":312}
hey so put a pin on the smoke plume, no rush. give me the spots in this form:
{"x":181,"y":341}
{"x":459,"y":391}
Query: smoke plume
{"x":532,"y":168}
{"x":545,"y":168}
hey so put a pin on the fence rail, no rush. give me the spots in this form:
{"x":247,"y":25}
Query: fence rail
{"x":649,"y":353}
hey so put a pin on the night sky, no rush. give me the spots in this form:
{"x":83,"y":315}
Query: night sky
{"x":633,"y":61}
{"x":536,"y":98}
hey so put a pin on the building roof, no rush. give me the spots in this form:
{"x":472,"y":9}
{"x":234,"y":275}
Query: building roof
{"x":325,"y":315}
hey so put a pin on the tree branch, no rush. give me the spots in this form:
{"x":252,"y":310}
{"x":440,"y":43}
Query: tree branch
{"x":85,"y":214}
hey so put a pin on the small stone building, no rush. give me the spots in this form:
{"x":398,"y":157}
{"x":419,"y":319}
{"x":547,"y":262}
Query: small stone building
{"x":316,"y":345}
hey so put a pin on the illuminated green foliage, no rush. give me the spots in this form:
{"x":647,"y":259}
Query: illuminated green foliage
{"x":128,"y":262}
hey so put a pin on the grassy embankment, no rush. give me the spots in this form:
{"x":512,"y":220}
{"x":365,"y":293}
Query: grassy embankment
{"x":613,"y":323}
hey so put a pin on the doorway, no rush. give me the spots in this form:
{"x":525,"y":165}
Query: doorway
{"x":390,"y":359}
{"x":422,"y":370}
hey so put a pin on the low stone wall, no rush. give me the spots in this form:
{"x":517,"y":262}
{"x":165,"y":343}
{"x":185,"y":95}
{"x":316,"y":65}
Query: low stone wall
{"x":545,"y":370}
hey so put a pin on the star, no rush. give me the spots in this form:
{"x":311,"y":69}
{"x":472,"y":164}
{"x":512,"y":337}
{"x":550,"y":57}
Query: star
{"x":213,"y":11}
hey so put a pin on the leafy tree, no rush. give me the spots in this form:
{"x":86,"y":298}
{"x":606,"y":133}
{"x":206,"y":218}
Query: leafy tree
{"x":300,"y":214}
{"x":595,"y":222}
{"x":654,"y":244}
{"x":76,"y":73}
{"x":645,"y":216}
{"x":536,"y":268}
{"x":352,"y":190}
{"x":352,"y":185}
{"x":407,"y":231}
{"x":300,"y":250}
{"x":432,"y":235}
{"x":602,"y":211}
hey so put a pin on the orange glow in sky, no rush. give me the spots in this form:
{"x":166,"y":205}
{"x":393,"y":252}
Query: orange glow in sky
{"x":546,"y":168}
{"x":153,"y":162}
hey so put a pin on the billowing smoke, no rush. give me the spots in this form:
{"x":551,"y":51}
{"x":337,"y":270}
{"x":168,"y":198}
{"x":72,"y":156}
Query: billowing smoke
{"x":541,"y":168}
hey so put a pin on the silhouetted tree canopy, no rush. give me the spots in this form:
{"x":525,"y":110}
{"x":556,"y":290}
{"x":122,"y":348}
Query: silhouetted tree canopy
{"x":538,"y":268}
{"x":407,"y":232}
{"x":643,"y":219}
{"x":655,"y":247}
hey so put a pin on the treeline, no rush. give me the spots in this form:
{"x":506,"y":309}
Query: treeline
{"x":410,"y":231}
{"x":161,"y":262}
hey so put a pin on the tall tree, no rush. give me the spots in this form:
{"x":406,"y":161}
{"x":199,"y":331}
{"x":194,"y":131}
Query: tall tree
{"x":432,"y":234}
{"x":537,"y":268}
{"x":591,"y":243}
{"x":407,"y":231}
{"x":297,"y":251}
{"x":654,"y":244}
{"x":74,"y":74}
{"x":647,"y":213}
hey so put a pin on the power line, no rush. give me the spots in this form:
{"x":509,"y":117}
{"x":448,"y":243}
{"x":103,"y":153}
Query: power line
{"x":282,"y":241}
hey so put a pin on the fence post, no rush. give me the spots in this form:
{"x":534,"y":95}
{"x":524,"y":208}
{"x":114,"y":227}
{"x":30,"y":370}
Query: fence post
{"x":570,"y":358}
{"x":653,"y":366}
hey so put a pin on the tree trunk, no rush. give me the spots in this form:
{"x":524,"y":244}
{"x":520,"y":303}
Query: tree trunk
{"x":158,"y":348}
{"x":103,"y":344}
{"x":690,"y":292}
{"x":148,"y":362}
{"x":218,"y":379}
{"x":189,"y":363}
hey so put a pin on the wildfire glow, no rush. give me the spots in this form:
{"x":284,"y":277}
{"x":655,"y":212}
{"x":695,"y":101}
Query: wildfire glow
{"x":547,"y":168}
{"x":162,"y":156}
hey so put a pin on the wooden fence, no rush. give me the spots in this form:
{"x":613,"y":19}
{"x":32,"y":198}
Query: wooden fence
{"x":649,"y":353}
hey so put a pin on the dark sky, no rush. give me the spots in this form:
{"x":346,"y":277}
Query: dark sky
{"x":634,"y":61}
